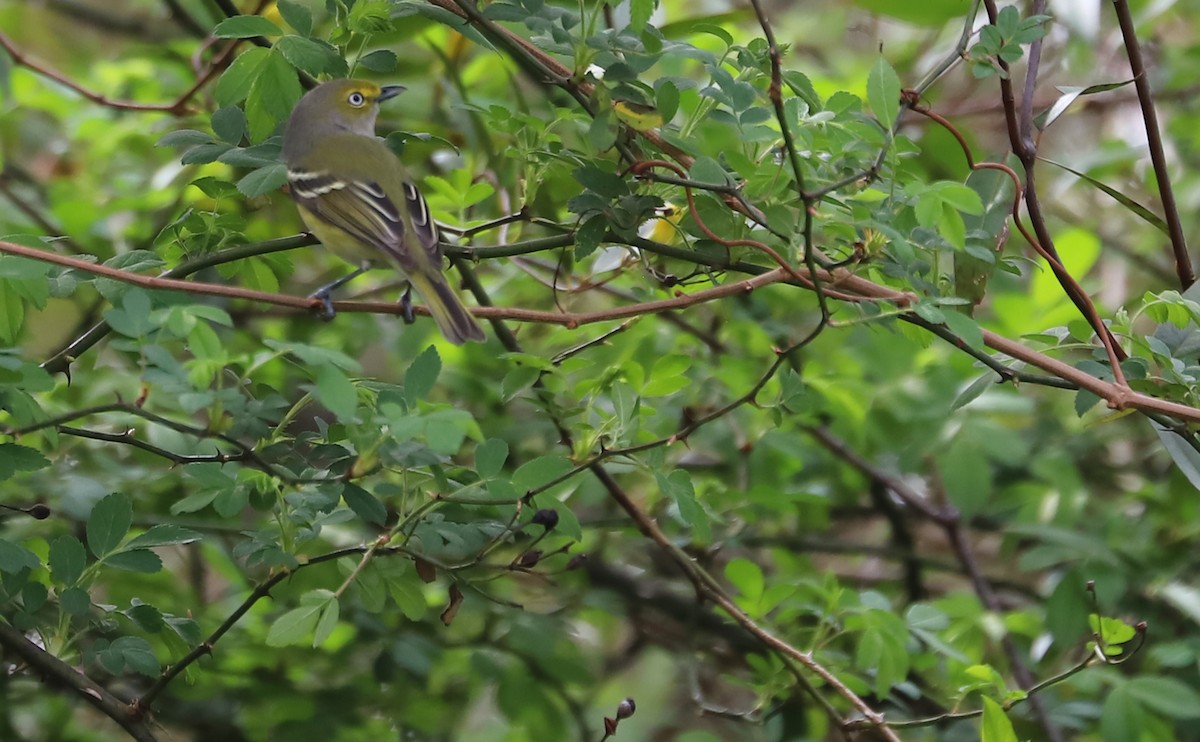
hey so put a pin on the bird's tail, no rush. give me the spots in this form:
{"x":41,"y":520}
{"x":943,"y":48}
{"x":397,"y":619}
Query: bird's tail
{"x":452,"y":318}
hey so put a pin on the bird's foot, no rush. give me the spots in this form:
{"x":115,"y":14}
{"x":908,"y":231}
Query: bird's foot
{"x":327,"y":312}
{"x":406,"y":308}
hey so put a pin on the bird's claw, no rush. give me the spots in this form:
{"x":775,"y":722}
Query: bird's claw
{"x":327,"y":310}
{"x":406,"y":308}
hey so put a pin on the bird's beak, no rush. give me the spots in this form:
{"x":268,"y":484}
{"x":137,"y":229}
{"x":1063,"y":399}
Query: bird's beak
{"x":388,"y":92}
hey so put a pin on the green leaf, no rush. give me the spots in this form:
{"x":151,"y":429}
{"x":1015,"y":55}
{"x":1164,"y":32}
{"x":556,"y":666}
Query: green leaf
{"x":335,"y":390}
{"x":147,"y":617}
{"x":75,"y":601}
{"x":967,"y":476}
{"x":296,"y":15}
{"x":747,"y":577}
{"x":1069,"y":96}
{"x":883,"y":92}
{"x":239,"y":77}
{"x":590,"y":234}
{"x":137,"y":655}
{"x":311,"y":55}
{"x":1112,"y":631}
{"x":518,"y":379}
{"x":1121,"y":720}
{"x":967,"y":329}
{"x":12,"y":317}
{"x":108,"y":524}
{"x":17,"y":458}
{"x":382,"y":61}
{"x":67,"y":559}
{"x":540,"y":471}
{"x":640,"y":12}
{"x":421,"y":376}
{"x":293,"y":626}
{"x":164,"y":534}
{"x":327,"y":623}
{"x":244,"y":27}
{"x":364,"y":504}
{"x":405,"y":590}
{"x":1128,"y":202}
{"x":135,"y":560}
{"x":996,"y":726}
{"x":678,"y":486}
{"x":1170,"y":697}
{"x":183,"y":138}
{"x":14,"y":558}
{"x":228,"y":123}
{"x":272,"y":95}
{"x":263,"y":180}
{"x":490,"y":457}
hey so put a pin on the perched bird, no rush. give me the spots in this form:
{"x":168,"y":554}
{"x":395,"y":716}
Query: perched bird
{"x":355,"y":197}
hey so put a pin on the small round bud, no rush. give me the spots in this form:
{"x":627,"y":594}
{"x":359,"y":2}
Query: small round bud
{"x":529,"y":558}
{"x":39,"y":511}
{"x":626,"y":708}
{"x":546,"y":518}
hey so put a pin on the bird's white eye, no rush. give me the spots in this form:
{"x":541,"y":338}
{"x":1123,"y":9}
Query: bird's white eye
{"x":356,"y":99}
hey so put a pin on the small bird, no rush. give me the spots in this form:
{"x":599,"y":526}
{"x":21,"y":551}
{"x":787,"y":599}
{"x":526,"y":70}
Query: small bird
{"x":354,"y":196}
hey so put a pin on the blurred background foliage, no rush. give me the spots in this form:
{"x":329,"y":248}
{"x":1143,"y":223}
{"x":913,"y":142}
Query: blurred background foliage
{"x":240,"y":441}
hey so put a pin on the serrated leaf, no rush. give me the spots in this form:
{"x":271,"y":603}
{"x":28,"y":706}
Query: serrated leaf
{"x":138,"y":654}
{"x":382,"y":61}
{"x":164,"y":534}
{"x":17,"y":458}
{"x":678,"y":486}
{"x":135,"y":560}
{"x":14,"y":558}
{"x":421,"y":375}
{"x":364,"y":504}
{"x":108,"y":523}
{"x":539,"y":472}
{"x":296,"y":15}
{"x":239,"y":77}
{"x":263,"y":180}
{"x":294,"y":626}
{"x":883,"y":92}
{"x":229,"y":123}
{"x":518,"y":379}
{"x":311,"y":55}
{"x":327,"y":622}
{"x":67,"y":560}
{"x":75,"y":601}
{"x":273,"y":93}
{"x":183,"y":138}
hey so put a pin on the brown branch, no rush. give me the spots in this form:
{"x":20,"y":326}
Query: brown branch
{"x":1141,"y":82}
{"x":60,"y":673}
{"x":179,"y":107}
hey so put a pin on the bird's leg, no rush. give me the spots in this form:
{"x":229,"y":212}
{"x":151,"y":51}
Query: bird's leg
{"x":327,"y":311}
{"x":406,"y":310}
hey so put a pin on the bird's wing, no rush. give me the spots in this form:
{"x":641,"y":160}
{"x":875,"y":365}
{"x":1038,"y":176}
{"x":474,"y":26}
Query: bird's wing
{"x":362,"y":209}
